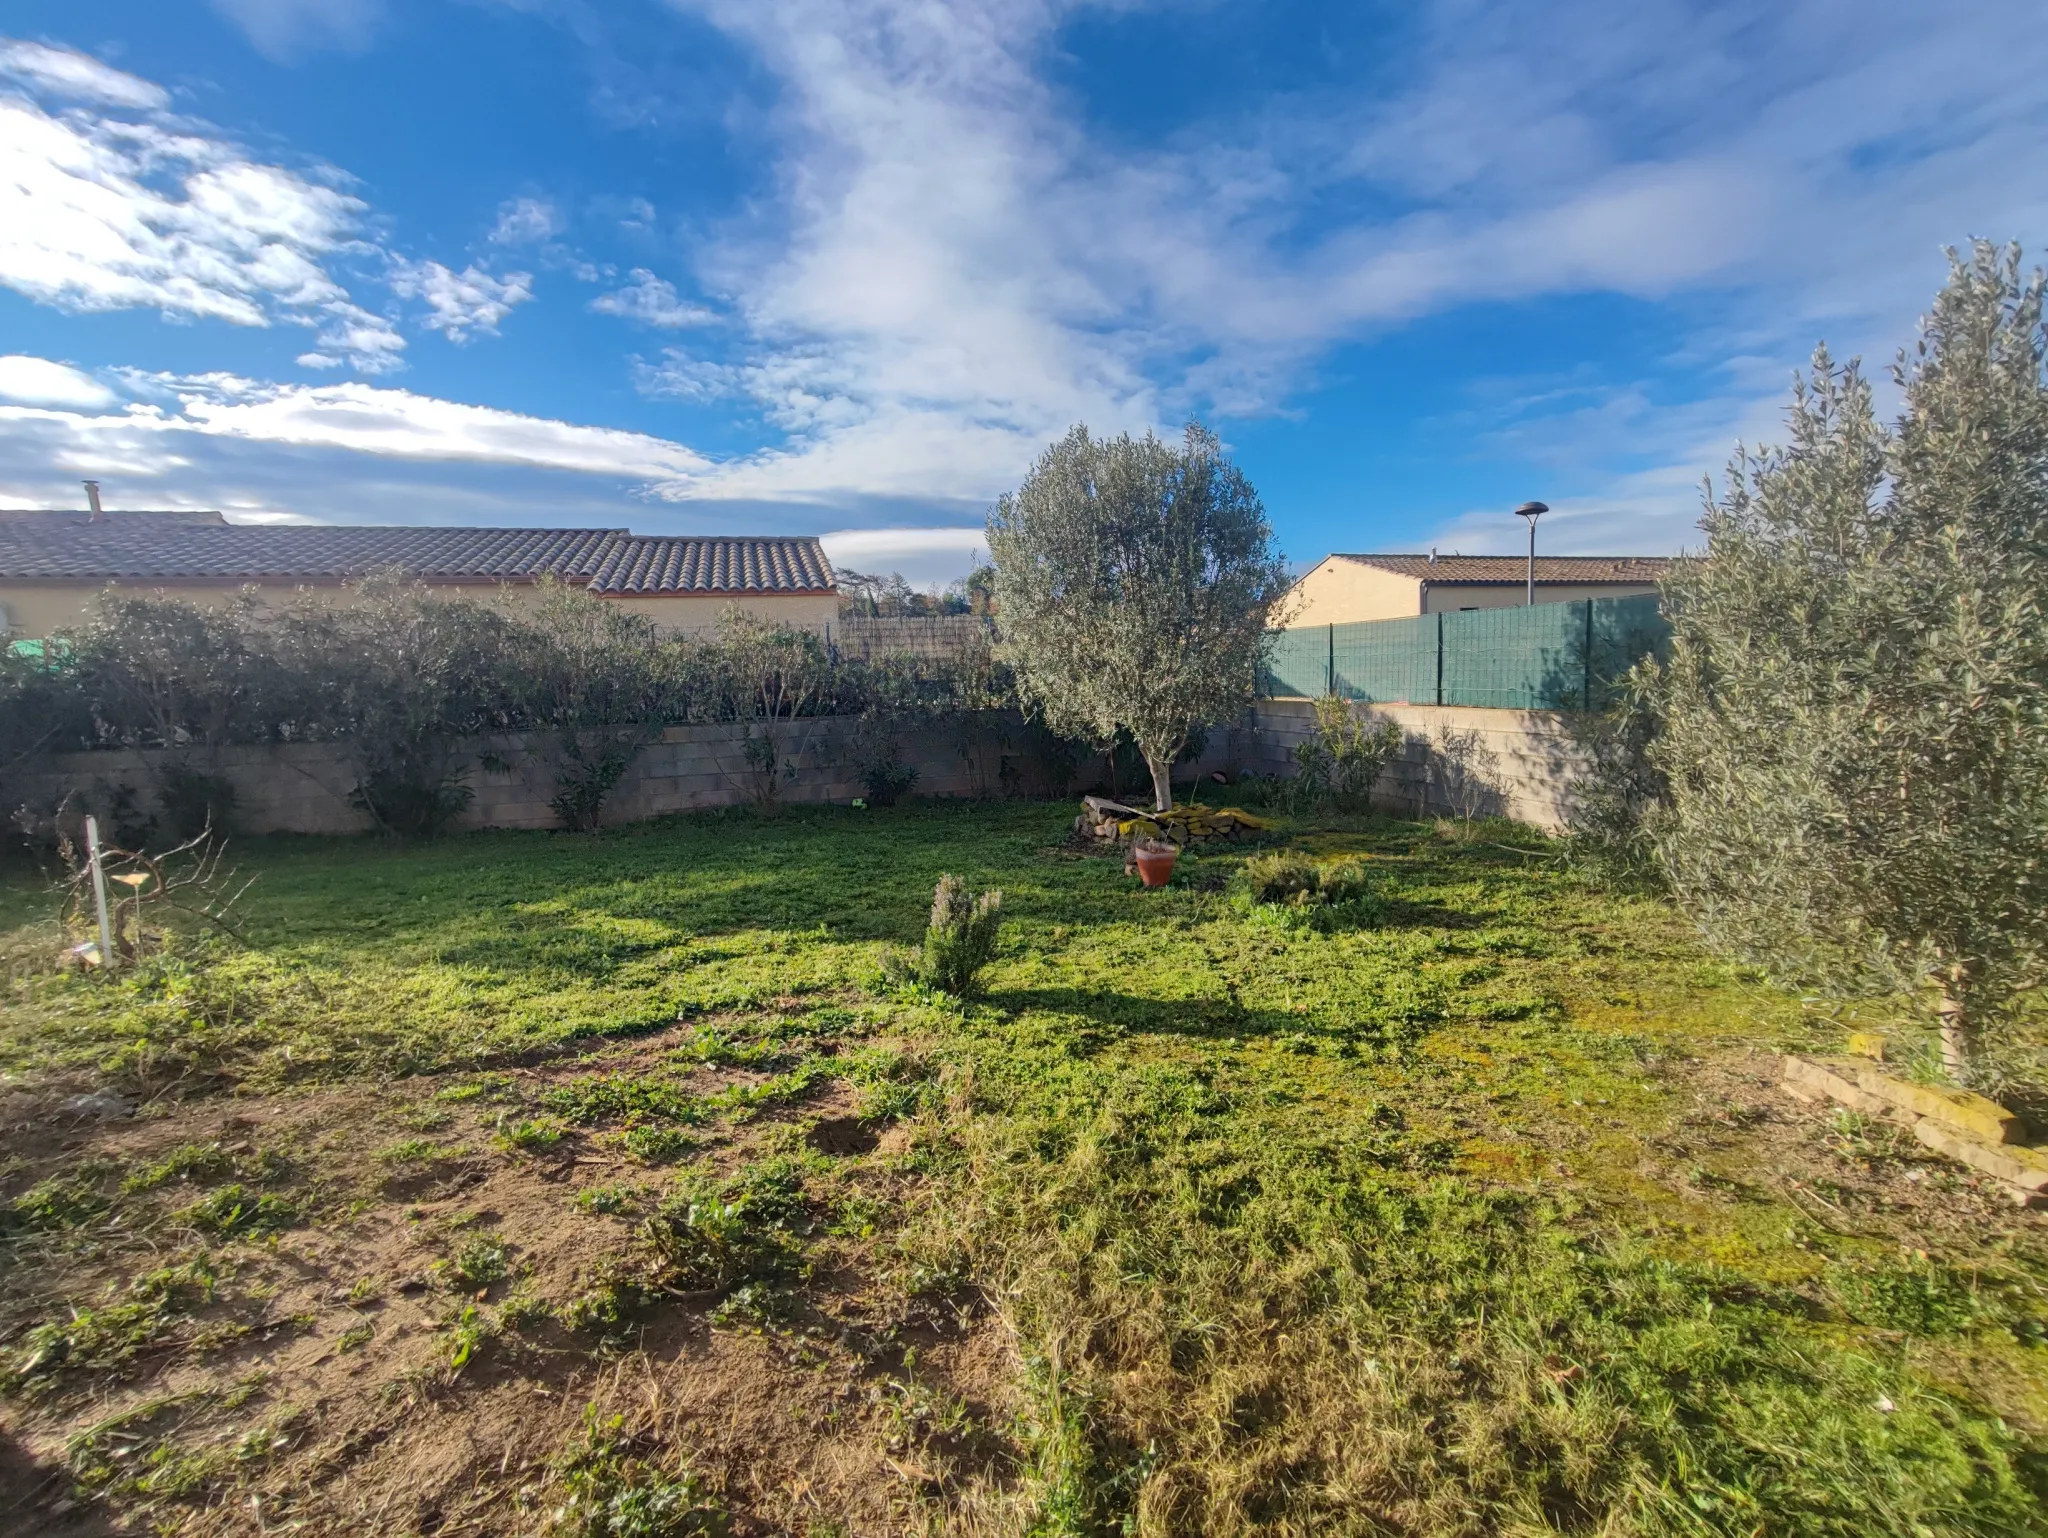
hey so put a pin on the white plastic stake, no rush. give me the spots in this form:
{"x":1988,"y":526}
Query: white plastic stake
{"x":99,"y":891}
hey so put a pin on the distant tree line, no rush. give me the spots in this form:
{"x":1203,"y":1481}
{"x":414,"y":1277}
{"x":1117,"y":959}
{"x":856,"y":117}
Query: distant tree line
{"x":862,"y":595}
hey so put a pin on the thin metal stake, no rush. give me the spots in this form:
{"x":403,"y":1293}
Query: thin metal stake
{"x":99,"y":891}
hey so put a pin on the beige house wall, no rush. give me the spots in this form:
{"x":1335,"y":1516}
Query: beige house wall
{"x":1449,"y":597}
{"x":1337,"y":592}
{"x":40,"y":609}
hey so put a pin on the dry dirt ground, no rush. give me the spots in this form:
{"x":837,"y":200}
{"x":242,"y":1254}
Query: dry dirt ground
{"x":317,"y":1388}
{"x":323,"y":1363}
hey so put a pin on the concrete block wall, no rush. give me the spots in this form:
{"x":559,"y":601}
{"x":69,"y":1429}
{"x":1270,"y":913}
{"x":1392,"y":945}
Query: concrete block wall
{"x":1528,"y":764}
{"x":304,"y":787}
{"x":1524,"y":767}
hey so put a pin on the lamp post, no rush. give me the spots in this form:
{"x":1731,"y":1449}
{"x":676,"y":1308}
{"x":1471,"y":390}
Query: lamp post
{"x":1532,"y":511}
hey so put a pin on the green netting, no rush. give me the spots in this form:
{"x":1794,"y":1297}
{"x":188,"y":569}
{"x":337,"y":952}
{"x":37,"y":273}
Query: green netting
{"x":1546,"y":656}
{"x":1389,"y":660}
{"x":1624,"y":629}
{"x":1529,"y":658}
{"x":1298,"y":664}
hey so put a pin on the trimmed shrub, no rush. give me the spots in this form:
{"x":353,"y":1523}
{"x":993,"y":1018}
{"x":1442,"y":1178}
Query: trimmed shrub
{"x":961,"y":937}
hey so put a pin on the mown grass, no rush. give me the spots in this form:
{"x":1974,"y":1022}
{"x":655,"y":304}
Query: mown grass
{"x":1305,"y":1218}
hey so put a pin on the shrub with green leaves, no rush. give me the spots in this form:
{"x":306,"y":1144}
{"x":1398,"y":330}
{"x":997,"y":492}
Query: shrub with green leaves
{"x":1341,"y":763}
{"x":960,"y":939}
{"x":1851,"y":720}
{"x":1295,"y":880}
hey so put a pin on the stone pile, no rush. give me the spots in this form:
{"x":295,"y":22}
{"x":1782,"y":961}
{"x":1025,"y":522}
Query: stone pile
{"x":1113,"y":822}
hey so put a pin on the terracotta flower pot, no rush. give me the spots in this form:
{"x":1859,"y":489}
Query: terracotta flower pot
{"x":1155,"y":862}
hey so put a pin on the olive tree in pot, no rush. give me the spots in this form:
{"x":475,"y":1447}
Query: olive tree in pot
{"x":1135,"y":581}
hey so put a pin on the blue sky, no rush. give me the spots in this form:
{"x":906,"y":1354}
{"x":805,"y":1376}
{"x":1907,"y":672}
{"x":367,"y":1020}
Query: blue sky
{"x":788,"y":266}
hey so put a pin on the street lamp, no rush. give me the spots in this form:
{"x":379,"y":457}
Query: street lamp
{"x":1532,"y":511}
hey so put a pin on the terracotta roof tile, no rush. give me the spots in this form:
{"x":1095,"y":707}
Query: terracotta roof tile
{"x":67,"y":549}
{"x":1515,"y":568}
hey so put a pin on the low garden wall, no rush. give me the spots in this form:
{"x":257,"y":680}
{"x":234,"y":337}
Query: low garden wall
{"x":1522,"y":762}
{"x":304,"y":787}
{"x":1525,"y":763}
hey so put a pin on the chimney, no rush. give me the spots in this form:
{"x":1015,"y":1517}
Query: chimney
{"x":92,"y":496}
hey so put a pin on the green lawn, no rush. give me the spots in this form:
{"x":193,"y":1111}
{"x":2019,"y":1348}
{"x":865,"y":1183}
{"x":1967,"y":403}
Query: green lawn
{"x":1468,"y":1208}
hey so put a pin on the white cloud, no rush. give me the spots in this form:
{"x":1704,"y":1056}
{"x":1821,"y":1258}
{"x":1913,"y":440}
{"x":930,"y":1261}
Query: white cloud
{"x":73,"y":76}
{"x":350,"y":452}
{"x":651,"y":301}
{"x":99,"y":212}
{"x":287,"y":30}
{"x":526,"y":221}
{"x":459,"y":303}
{"x":388,"y":423}
{"x":39,"y":382}
{"x":952,"y":269}
{"x":927,"y":558}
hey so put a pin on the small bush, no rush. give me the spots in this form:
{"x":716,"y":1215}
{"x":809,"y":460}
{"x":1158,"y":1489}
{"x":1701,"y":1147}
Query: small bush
{"x":1343,"y":881}
{"x":1292,"y":879}
{"x":886,"y":784}
{"x":961,"y":937}
{"x":411,"y":805}
{"x":1340,"y":765}
{"x":1278,"y":878}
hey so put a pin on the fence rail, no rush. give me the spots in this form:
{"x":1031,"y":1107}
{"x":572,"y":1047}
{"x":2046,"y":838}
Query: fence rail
{"x":1546,"y":656}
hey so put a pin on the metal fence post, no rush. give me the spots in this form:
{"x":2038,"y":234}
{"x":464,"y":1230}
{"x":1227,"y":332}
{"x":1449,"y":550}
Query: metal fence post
{"x":1330,"y":665}
{"x":1588,"y":704}
{"x":1439,"y":657}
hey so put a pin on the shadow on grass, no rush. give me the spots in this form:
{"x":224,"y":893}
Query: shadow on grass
{"x":31,"y":1490}
{"x":1130,"y":1012}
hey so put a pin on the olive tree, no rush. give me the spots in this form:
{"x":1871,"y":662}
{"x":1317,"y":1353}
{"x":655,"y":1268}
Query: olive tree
{"x":1134,"y":583}
{"x":1854,"y":716}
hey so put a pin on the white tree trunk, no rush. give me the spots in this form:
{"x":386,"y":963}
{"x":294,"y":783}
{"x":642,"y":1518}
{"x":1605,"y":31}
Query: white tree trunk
{"x":1162,"y":782}
{"x":1958,"y":1030}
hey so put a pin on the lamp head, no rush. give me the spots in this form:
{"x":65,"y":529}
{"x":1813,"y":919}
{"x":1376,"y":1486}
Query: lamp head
{"x":1532,"y":510}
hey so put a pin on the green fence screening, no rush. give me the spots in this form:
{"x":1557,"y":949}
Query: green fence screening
{"x":1390,"y":659}
{"x":1546,"y":656}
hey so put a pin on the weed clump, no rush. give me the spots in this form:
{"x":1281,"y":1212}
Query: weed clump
{"x":532,"y":1134}
{"x":704,"y":1240}
{"x":612,"y":1489}
{"x":1294,"y":880}
{"x":235,"y":1212}
{"x":477,"y":1264}
{"x":654,"y":1144}
{"x":109,"y":1335}
{"x":961,"y":938}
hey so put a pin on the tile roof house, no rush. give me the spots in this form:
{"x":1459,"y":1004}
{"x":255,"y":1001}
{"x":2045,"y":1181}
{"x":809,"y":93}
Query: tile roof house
{"x":1341,"y":589}
{"x":52,"y":565}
